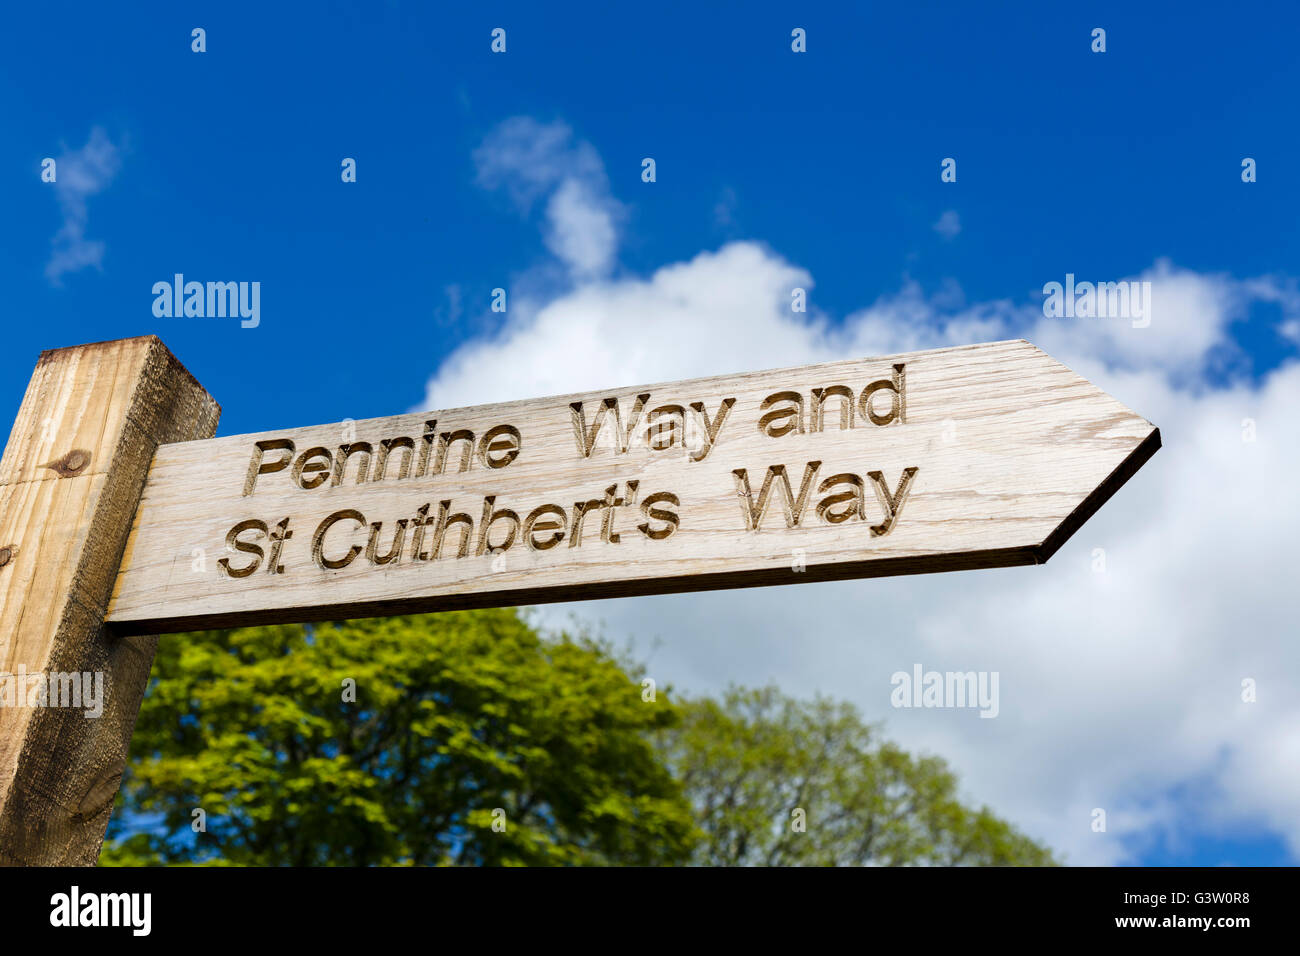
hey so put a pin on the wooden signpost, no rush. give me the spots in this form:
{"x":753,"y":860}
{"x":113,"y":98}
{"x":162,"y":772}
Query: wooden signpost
{"x":983,"y":456}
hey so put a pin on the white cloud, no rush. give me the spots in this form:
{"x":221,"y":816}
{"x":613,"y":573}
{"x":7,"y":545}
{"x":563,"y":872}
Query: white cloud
{"x":1189,"y":318}
{"x":725,"y":311}
{"x":1119,"y":690}
{"x":949,"y":224}
{"x":80,"y":173}
{"x":531,"y":160}
{"x":582,"y":231}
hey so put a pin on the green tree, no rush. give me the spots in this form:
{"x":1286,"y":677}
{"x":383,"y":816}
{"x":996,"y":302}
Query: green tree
{"x":752,"y":760}
{"x":456,"y":717}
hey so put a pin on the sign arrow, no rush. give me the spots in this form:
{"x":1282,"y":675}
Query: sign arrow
{"x":983,"y":456}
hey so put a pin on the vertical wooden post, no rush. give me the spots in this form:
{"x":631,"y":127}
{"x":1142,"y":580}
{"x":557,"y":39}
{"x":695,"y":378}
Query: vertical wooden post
{"x":70,"y":480}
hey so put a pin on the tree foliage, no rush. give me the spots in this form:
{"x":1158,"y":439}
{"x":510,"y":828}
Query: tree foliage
{"x":753,"y":760}
{"x":456,"y":718}
{"x":470,"y":738}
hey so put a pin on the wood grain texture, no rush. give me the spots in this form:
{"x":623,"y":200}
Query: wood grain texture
{"x":70,"y":479}
{"x":1011,"y":452}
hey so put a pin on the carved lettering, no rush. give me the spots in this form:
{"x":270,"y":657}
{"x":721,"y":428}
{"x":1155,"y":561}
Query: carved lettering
{"x":318,"y":540}
{"x":793,"y":506}
{"x":586,"y":436}
{"x":891,"y":504}
{"x":245,"y":547}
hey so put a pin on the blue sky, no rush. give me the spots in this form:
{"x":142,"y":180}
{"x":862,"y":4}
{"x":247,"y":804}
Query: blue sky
{"x":1068,"y":161}
{"x":225,"y":165}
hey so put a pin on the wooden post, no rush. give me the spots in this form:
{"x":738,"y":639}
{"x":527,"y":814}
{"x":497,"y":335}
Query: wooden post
{"x":70,"y":480}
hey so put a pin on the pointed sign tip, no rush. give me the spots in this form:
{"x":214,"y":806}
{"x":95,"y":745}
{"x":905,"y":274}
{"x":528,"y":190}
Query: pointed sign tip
{"x":1100,"y":495}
